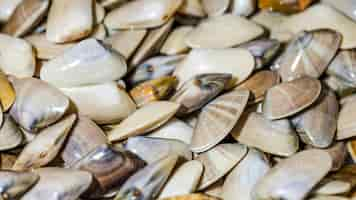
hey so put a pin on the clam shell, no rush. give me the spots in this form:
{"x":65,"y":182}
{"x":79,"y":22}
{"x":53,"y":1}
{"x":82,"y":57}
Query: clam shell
{"x":243,"y":7}
{"x":142,"y":14}
{"x":153,"y":149}
{"x":99,"y":32}
{"x":238,"y":62}
{"x":7,"y":8}
{"x":184,"y":180}
{"x":351,"y":147}
{"x":99,"y":13}
{"x":37,"y":104}
{"x":110,"y":4}
{"x":192,"y":8}
{"x":217,"y":119}
{"x":108,"y":103}
{"x":88,"y":62}
{"x":219,"y":161}
{"x":343,"y":66}
{"x":308,"y":54}
{"x":7,"y":95}
{"x":45,"y":147}
{"x":215,"y":190}
{"x":10,"y":134}
{"x":17,"y":57}
{"x":61,"y":15}
{"x":223,"y":32}
{"x":59,"y":184}
{"x":339,"y":86}
{"x":304,"y":170}
{"x":333,"y":188}
{"x":25,"y":17}
{"x":346,"y":122}
{"x":242,"y":179}
{"x":192,"y":197}
{"x":145,"y":119}
{"x":175,"y":43}
{"x":315,"y":16}
{"x":338,"y":153}
{"x":328,"y":197}
{"x":347,"y":7}
{"x":14,"y":184}
{"x":7,"y":160}
{"x":214,"y":7}
{"x":288,"y":98}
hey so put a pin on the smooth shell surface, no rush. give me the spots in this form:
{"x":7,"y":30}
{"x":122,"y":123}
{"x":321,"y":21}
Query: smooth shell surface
{"x":346,"y":127}
{"x":243,"y":7}
{"x":7,"y":8}
{"x":7,"y":95}
{"x":10,"y":134}
{"x":343,"y":66}
{"x":347,"y":7}
{"x":14,"y":184}
{"x":175,"y":43}
{"x":214,"y":7}
{"x":351,"y":147}
{"x":192,"y":8}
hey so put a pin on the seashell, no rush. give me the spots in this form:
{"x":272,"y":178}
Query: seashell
{"x":192,"y":197}
{"x":238,"y":62}
{"x":14,"y":184}
{"x":328,"y":197}
{"x":147,"y":183}
{"x":59,"y":184}
{"x":110,"y":4}
{"x":215,"y":190}
{"x":223,"y":32}
{"x":153,"y":90}
{"x":242,"y":179}
{"x":315,"y":15}
{"x":26,"y":16}
{"x":302,"y":177}
{"x":45,"y":147}
{"x":174,"y":129}
{"x":243,"y":7}
{"x":154,"y":68}
{"x":152,"y":42}
{"x":17,"y":57}
{"x":338,"y":153}
{"x":288,"y":98}
{"x":308,"y":54}
{"x":84,"y":138}
{"x":108,"y":103}
{"x":7,"y":8}
{"x":351,"y":147}
{"x":7,"y":160}
{"x":145,"y":119}
{"x":259,"y":83}
{"x":142,"y":14}
{"x":46,"y":49}
{"x":99,"y":13}
{"x":199,"y":90}
{"x":153,"y":149}
{"x":288,"y":7}
{"x":343,"y":66}
{"x":37,"y":104}
{"x":99,"y":32}
{"x":218,"y":161}
{"x":61,"y":15}
{"x":276,"y":137}
{"x":88,"y":62}
{"x":175,"y":43}
{"x":333,"y":188}
{"x":126,"y":41}
{"x":339,"y":86}
{"x":217,"y":119}
{"x":317,"y":125}
{"x":346,"y":124}
{"x":347,"y":7}
{"x":214,"y":7}
{"x":109,"y":167}
{"x":184,"y":180}
{"x":7,"y":95}
{"x":10,"y":134}
{"x":192,"y":8}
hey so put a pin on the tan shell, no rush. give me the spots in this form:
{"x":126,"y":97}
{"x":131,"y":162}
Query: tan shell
{"x":304,"y":170}
{"x":99,"y":13}
{"x":222,"y":32}
{"x":219,"y":161}
{"x":347,"y":7}
{"x":215,"y":7}
{"x":215,"y":190}
{"x":192,"y":8}
{"x":217,"y":119}
{"x":288,"y":98}
{"x":7,"y":160}
{"x":14,"y":184}
{"x":192,"y":197}
{"x":10,"y":134}
{"x":338,"y":153}
{"x":332,"y":188}
{"x":7,"y":95}
{"x":99,"y":32}
{"x":142,"y":14}
{"x":328,"y":197}
{"x":7,"y":8}
{"x":351,"y":147}
{"x":346,"y":123}
{"x":145,"y":119}
{"x":175,"y":43}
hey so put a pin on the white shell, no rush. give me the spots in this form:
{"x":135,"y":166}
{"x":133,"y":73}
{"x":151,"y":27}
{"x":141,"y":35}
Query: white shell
{"x":175,"y":43}
{"x":215,"y":7}
{"x":7,"y":8}
{"x":243,"y":7}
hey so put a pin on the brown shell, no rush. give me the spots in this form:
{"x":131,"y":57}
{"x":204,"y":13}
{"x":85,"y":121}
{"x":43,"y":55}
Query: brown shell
{"x":351,"y":147}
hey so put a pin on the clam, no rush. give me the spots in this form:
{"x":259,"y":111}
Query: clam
{"x":328,"y":197}
{"x":99,"y":13}
{"x":218,"y":161}
{"x":14,"y":184}
{"x":145,"y":119}
{"x":243,"y":7}
{"x":7,"y":160}
{"x":338,"y":153}
{"x":343,"y":66}
{"x":223,"y":32}
{"x":108,"y":104}
{"x":192,"y":197}
{"x":315,"y":16}
{"x":184,"y":180}
{"x":259,"y":83}
{"x":126,"y":41}
{"x":153,"y":149}
{"x":7,"y":95}
{"x":45,"y":147}
{"x":26,"y":16}
{"x":110,"y":4}
{"x":147,"y":183}
{"x":309,"y":54}
{"x":142,"y":14}
{"x":154,"y":68}
{"x":109,"y":167}
{"x":288,"y":7}
{"x":99,"y":32}
{"x":294,"y":177}
{"x":192,"y":8}
{"x":37,"y":104}
{"x":241,"y":180}
{"x":339,"y":86}
{"x":347,"y":7}
{"x":10,"y":134}
{"x":345,"y":124}
{"x":175,"y":43}
{"x":288,"y":98}
{"x":60,"y":15}
{"x":88,"y":62}
{"x":153,"y":90}
{"x":7,"y":8}
{"x":214,"y":7}
{"x":238,"y":62}
{"x":199,"y":90}
{"x":17,"y":57}
{"x":351,"y":147}
{"x":84,"y":138}
{"x":59,"y":184}
{"x":215,"y":190}
{"x":217,"y":119}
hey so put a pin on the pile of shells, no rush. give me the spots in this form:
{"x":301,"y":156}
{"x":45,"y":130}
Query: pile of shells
{"x":177,"y":99}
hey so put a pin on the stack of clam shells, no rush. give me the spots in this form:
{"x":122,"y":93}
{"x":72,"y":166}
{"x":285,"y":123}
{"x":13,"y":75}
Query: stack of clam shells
{"x":177,"y":99}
